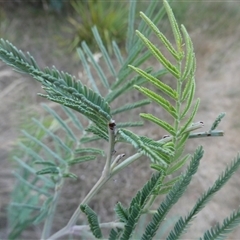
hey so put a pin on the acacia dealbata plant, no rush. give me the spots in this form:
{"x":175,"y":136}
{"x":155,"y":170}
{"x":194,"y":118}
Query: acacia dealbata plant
{"x":43,"y":167}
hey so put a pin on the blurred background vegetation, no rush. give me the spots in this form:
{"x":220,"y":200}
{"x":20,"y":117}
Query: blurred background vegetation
{"x":51,"y":30}
{"x":70,"y":21}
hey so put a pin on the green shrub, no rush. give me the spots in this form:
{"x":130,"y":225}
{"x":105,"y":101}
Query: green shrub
{"x":109,"y":17}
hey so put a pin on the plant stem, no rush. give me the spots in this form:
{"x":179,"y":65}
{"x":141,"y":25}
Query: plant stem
{"x":108,"y":172}
{"x":125,"y":163}
{"x":106,"y":175}
{"x":68,"y":228}
{"x":77,"y":230}
{"x":111,"y":134}
{"x":102,"y":180}
{"x":149,"y":203}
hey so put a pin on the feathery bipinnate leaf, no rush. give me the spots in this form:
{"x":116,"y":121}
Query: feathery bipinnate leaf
{"x":130,"y":106}
{"x":49,"y":170}
{"x":33,"y":171}
{"x":138,"y":203}
{"x":117,"y":53}
{"x":162,"y":38}
{"x":191,"y":117}
{"x":92,"y":220}
{"x":154,"y":150}
{"x":96,"y":66}
{"x":159,"y":100}
{"x":220,"y":232}
{"x":72,"y":116}
{"x":174,"y":26}
{"x":187,"y":88}
{"x":30,"y":185}
{"x":135,"y":45}
{"x":129,"y":124}
{"x":124,"y":88}
{"x":88,"y":139}
{"x":159,"y":56}
{"x":174,"y":167}
{"x":115,"y":234}
{"x":56,"y":139}
{"x":157,"y":83}
{"x":190,"y":56}
{"x":189,"y":100}
{"x":81,"y":159}
{"x":179,"y":147}
{"x":173,"y":196}
{"x":183,"y":223}
{"x":121,"y":212}
{"x":217,"y":121}
{"x":49,"y":151}
{"x":159,"y":122}
{"x":104,"y":52}
{"x":166,"y":187}
{"x":62,"y":123}
{"x":184,"y":93}
{"x":60,"y":87}
{"x":87,"y":69}
{"x":137,"y":80}
{"x":27,"y":193}
{"x":98,"y":130}
{"x":39,"y":146}
{"x":130,"y":31}
{"x":86,"y":150}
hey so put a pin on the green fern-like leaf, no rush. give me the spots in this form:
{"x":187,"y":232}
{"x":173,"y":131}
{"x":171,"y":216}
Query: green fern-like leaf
{"x":59,"y":86}
{"x":189,"y":121}
{"x":81,"y":159}
{"x":129,"y":124}
{"x":100,"y":131}
{"x":114,"y":235}
{"x":51,"y":134}
{"x":138,"y":203}
{"x":177,"y":165}
{"x":159,"y":122}
{"x":48,"y":151}
{"x":98,"y":69}
{"x":174,"y":26}
{"x":190,"y":57}
{"x":220,"y":232}
{"x":172,"y":196}
{"x":92,"y":220}
{"x":60,"y":121}
{"x":183,"y":223}
{"x":89,"y":139}
{"x":189,"y":100}
{"x":121,"y":212}
{"x":159,"y":56}
{"x":41,"y":151}
{"x":187,"y":88}
{"x":157,"y":83}
{"x":146,"y":148}
{"x":131,"y":106}
{"x":86,"y":150}
{"x":124,"y":88}
{"x":159,"y":100}
{"x":161,"y":36}
{"x":217,"y":121}
{"x":49,"y":170}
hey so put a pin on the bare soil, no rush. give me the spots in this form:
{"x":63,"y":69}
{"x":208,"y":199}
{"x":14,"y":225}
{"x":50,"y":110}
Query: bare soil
{"x":218,"y":87}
